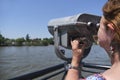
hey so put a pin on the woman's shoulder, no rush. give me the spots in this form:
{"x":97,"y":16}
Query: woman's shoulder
{"x":94,"y":77}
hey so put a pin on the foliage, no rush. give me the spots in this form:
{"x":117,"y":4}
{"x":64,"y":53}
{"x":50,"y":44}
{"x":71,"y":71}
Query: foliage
{"x":27,"y":37}
{"x":50,"y":41}
{"x":1,"y":39}
{"x":19,"y":41}
{"x":25,"y":41}
{"x":44,"y":42}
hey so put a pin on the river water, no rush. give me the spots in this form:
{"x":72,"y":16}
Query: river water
{"x":16,"y":61}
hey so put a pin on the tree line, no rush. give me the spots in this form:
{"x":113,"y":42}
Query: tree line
{"x":25,"y":41}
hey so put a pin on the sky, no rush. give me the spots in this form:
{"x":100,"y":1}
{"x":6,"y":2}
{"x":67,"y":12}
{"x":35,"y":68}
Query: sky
{"x":21,"y":17}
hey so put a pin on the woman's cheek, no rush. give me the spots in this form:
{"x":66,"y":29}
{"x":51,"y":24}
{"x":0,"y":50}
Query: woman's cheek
{"x":100,"y":33}
{"x":104,"y":42}
{"x":102,"y":39}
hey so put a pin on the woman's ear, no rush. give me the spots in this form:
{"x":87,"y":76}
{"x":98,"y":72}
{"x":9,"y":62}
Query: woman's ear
{"x":111,"y":29}
{"x":110,"y":26}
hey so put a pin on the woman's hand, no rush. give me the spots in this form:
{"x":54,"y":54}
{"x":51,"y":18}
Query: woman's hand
{"x":77,"y":48}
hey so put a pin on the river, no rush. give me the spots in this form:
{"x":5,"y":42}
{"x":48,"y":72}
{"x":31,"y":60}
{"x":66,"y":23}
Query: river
{"x":16,"y":61}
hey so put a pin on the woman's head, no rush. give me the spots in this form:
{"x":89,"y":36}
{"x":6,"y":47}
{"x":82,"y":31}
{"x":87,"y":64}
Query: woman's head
{"x":111,"y":12}
{"x":110,"y":24}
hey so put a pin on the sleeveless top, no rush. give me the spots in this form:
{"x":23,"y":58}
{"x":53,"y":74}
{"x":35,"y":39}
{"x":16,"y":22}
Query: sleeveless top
{"x":95,"y":77}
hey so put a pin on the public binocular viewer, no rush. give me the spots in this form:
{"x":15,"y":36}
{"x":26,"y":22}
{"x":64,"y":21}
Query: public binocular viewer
{"x":83,"y":26}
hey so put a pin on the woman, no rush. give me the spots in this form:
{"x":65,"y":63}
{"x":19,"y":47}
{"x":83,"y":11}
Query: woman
{"x":108,"y":38}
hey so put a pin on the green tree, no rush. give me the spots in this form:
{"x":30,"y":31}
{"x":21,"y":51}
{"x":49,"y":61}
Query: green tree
{"x":1,"y":39}
{"x":44,"y":42}
{"x":7,"y":42}
{"x":19,"y":41}
{"x":50,"y":41}
{"x":27,"y":37}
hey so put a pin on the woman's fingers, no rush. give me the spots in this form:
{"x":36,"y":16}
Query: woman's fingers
{"x":75,"y":44}
{"x":78,"y":44}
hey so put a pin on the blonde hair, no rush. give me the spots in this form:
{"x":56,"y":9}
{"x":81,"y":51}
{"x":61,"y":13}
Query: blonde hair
{"x":111,"y":12}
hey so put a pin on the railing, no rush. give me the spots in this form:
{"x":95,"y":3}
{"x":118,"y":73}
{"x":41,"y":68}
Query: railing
{"x":60,"y":69}
{"x":40,"y":73}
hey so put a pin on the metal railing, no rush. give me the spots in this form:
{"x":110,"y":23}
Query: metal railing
{"x":60,"y":69}
{"x":40,"y":73}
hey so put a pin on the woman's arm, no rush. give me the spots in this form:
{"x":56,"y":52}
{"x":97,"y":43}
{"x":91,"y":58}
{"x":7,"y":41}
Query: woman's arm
{"x":77,"y":50}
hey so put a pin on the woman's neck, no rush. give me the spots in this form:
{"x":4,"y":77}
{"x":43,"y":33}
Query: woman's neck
{"x":115,"y":58}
